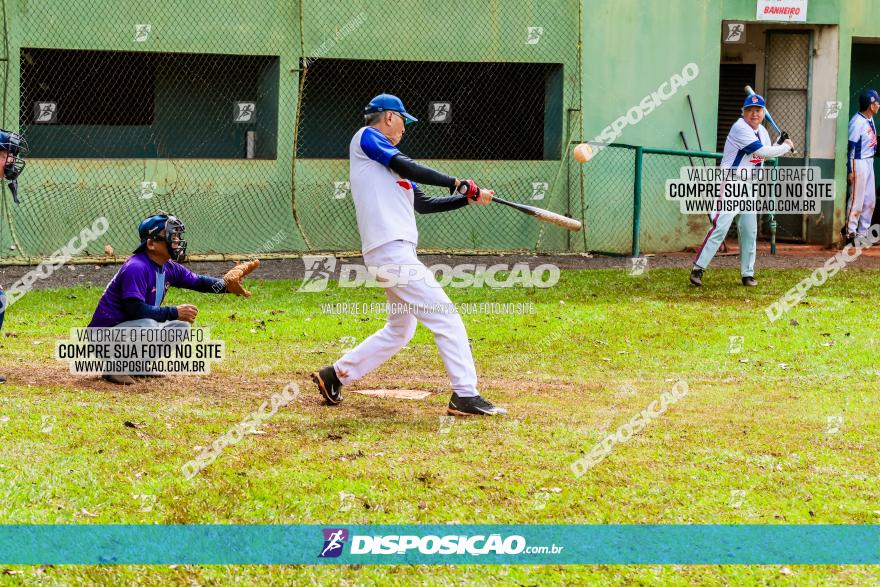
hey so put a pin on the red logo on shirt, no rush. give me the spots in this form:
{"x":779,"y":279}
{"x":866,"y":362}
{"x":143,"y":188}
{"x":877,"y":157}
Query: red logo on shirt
{"x":756,"y":161}
{"x":404,"y":184}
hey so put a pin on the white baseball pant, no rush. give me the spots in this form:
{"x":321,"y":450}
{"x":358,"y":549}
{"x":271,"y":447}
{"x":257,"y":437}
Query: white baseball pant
{"x":863,"y":197}
{"x":747,"y":228}
{"x":418,"y":294}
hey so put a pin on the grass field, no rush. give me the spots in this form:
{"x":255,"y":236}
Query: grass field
{"x":783,"y":431}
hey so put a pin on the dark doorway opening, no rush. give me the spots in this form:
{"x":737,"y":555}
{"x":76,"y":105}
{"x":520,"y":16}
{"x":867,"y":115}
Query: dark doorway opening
{"x":732,"y":79}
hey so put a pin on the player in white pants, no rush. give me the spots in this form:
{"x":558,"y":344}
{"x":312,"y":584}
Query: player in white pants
{"x":861,"y":148}
{"x":386,"y":197}
{"x":747,"y":145}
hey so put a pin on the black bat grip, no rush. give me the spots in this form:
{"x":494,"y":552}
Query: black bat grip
{"x":783,"y":136}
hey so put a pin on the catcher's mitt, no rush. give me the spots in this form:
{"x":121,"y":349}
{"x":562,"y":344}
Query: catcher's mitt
{"x":233,"y":277}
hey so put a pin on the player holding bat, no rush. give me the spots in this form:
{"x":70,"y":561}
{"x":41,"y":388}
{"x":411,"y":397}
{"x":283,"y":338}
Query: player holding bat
{"x":386,"y":193}
{"x":747,"y":145}
{"x":133,"y":298}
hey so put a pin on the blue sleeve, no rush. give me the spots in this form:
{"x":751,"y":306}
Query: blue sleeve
{"x":752,"y":147}
{"x":136,"y":309}
{"x":208,"y":284}
{"x":377,"y":147}
{"x":850,"y":152}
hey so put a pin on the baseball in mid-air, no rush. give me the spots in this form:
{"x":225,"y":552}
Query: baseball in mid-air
{"x":583,"y":153}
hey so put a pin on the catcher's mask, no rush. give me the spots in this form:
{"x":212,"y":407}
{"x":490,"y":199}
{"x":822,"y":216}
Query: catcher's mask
{"x":16,"y":149}
{"x":151,"y":229}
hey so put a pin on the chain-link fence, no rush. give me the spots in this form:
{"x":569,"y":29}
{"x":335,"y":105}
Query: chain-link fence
{"x":656,"y":224}
{"x":625,"y":208}
{"x":497,"y":98}
{"x":238,"y":120}
{"x":127,"y":111}
{"x":661,"y":222}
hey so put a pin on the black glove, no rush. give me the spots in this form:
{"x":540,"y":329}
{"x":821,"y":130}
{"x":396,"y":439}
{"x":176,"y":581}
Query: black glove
{"x":469,"y":189}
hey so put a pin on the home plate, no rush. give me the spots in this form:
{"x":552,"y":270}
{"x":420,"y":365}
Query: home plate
{"x":394,"y":393}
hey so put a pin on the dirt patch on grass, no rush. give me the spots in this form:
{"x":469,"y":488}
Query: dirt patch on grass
{"x":236,"y":388}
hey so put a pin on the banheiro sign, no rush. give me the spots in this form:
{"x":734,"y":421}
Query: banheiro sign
{"x":783,"y":10}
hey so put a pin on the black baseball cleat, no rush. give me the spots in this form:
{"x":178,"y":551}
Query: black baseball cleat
{"x":328,"y":384}
{"x":119,"y":379}
{"x":850,"y":239}
{"x":749,"y":281}
{"x":473,"y":406}
{"x":697,"y":277}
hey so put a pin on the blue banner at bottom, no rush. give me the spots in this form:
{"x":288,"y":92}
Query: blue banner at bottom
{"x":439,"y":544}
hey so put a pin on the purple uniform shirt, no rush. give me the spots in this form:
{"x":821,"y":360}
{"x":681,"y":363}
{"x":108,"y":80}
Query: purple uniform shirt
{"x":137,"y":279}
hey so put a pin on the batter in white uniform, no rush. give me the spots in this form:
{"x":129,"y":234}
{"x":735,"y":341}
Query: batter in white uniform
{"x":747,"y":145}
{"x":386,"y":197}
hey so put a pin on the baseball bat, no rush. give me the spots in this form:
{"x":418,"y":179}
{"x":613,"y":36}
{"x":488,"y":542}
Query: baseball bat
{"x":686,"y":147}
{"x":782,"y":134}
{"x":700,"y":145}
{"x":544,"y":215}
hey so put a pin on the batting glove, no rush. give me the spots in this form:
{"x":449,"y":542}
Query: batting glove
{"x":469,"y":189}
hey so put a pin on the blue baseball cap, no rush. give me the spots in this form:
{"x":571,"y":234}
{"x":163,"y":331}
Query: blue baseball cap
{"x":754,"y":100}
{"x":867,"y":98}
{"x":387,"y":102}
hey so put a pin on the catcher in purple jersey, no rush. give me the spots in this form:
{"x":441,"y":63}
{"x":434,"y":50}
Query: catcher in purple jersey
{"x":13,"y":150}
{"x":134,"y":296}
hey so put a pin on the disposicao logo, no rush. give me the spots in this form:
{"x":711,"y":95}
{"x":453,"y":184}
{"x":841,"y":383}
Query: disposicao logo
{"x":336,"y":538}
{"x":334,"y":541}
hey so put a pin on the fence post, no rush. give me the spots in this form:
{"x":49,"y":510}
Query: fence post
{"x":637,"y":202}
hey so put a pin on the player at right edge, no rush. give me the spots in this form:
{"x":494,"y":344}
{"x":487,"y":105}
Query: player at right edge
{"x":861,"y":148}
{"x":748,"y":144}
